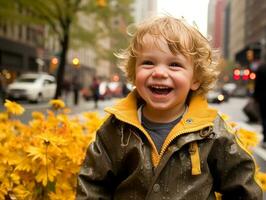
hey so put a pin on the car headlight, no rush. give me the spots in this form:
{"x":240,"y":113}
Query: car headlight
{"x":220,"y":97}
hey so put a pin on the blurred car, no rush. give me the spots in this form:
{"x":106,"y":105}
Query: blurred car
{"x":34,"y":87}
{"x":108,"y":90}
{"x":230,"y":88}
{"x":217,"y":96}
{"x":240,"y":92}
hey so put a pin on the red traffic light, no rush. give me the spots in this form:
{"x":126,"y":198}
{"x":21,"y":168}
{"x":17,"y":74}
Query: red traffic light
{"x":246,"y":74}
{"x":236,"y":74}
{"x":252,"y":76}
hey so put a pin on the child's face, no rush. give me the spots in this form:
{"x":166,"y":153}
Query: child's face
{"x":163,"y":80}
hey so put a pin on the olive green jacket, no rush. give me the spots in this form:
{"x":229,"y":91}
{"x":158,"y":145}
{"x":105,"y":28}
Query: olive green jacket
{"x":199,"y":157}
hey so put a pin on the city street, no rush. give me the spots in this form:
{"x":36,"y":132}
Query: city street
{"x":233,"y":108}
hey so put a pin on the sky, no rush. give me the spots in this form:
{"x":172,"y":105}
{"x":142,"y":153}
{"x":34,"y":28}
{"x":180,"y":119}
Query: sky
{"x":192,"y":10}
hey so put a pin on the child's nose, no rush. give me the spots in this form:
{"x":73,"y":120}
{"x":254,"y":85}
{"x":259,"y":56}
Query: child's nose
{"x":159,"y":72}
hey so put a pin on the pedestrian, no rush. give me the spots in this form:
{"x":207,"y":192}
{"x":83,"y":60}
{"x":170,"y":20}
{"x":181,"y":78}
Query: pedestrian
{"x":76,"y":87}
{"x":95,"y":90}
{"x":66,"y":89}
{"x":163,"y":141}
{"x":260,"y":97}
{"x":3,"y":86}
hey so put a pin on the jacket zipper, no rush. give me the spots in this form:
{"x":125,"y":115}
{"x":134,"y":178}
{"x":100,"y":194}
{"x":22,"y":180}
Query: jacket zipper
{"x":166,"y":143}
{"x":156,"y":156}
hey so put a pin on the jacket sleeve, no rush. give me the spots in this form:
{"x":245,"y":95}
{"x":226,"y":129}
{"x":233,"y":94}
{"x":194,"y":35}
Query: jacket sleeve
{"x":95,"y":179}
{"x":234,"y":169}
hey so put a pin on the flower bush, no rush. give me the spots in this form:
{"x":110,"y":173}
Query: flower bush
{"x":41,"y":159}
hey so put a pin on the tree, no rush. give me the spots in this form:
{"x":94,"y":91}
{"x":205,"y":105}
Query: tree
{"x":61,"y":16}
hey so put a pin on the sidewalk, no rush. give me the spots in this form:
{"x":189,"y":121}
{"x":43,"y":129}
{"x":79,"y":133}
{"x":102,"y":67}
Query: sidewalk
{"x":88,"y":106}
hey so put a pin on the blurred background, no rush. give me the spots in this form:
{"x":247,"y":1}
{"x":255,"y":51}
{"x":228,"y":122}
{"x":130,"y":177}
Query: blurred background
{"x":55,"y":48}
{"x":77,"y":39}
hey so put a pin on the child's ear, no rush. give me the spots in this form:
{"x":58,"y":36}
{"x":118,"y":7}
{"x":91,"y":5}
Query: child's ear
{"x":195,"y":85}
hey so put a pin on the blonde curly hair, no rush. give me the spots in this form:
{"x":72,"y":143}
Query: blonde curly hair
{"x":181,"y":37}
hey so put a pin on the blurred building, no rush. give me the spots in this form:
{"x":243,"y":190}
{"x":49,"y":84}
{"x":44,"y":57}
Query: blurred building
{"x":215,"y":28}
{"x":19,"y":48}
{"x":243,"y":41}
{"x":144,"y":9}
{"x":32,"y":48}
{"x":236,"y":37}
{"x":256,"y":27}
{"x":243,"y":31}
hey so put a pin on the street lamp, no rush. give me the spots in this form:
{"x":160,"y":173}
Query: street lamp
{"x":101,"y":3}
{"x":75,"y":62}
{"x":53,"y":64}
{"x":75,"y":80}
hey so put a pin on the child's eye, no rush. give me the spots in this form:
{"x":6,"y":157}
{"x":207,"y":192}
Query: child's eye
{"x":147,"y":62}
{"x":174,"y":64}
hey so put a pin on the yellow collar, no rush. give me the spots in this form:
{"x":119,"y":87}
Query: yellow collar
{"x":197,"y":117}
{"x":198,"y":111}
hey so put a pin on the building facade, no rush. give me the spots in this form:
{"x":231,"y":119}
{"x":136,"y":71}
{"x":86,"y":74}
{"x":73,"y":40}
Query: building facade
{"x":244,"y":32}
{"x":216,"y":22}
{"x":144,"y":9}
{"x":31,"y":48}
{"x":19,"y":48}
{"x":237,"y":27}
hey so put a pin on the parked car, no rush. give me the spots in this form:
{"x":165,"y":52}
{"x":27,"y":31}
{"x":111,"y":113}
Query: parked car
{"x":230,"y":88}
{"x":34,"y":87}
{"x":217,"y":96}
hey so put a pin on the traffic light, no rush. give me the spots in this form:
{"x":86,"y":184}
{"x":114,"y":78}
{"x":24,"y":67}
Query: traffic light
{"x":236,"y":74}
{"x":252,"y":76}
{"x":101,"y":3}
{"x":246,"y":74}
{"x":53,"y":64}
{"x":76,"y":62}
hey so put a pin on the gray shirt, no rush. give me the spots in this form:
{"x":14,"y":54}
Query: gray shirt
{"x":158,"y":131}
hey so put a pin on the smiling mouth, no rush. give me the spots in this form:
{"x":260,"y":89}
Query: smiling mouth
{"x":162,"y":90}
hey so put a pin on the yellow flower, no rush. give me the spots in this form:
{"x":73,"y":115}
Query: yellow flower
{"x":93,"y":121}
{"x":14,"y":108}
{"x":91,"y":116}
{"x":57,"y":104}
{"x":46,"y":174}
{"x":62,"y":195}
{"x":37,"y":115}
{"x":262,"y":179}
{"x":21,"y":192}
{"x":3,"y":117}
{"x":249,"y":138}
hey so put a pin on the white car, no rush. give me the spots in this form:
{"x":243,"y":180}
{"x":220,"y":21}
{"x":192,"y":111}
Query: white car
{"x":34,"y":87}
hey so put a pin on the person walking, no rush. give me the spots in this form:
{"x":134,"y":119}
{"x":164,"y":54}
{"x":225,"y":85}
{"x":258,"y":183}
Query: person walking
{"x":260,"y":97}
{"x":66,"y":89}
{"x":3,"y":86}
{"x":95,"y":90}
{"x":76,"y":88}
